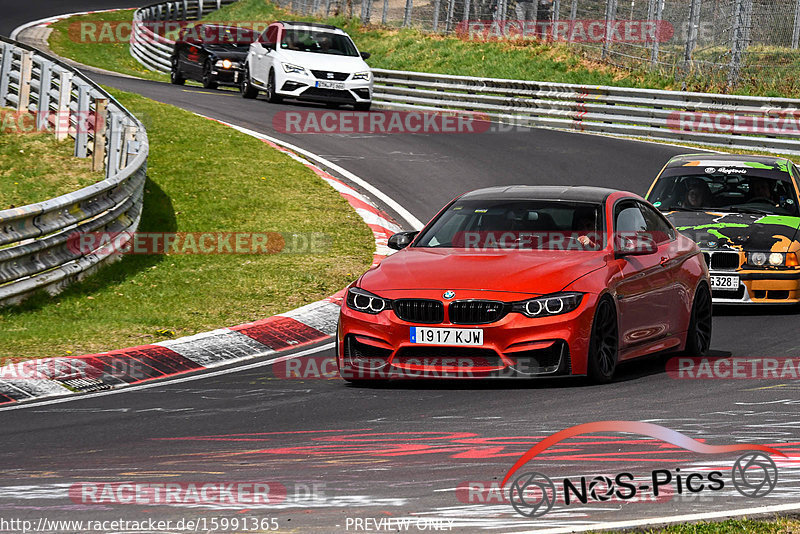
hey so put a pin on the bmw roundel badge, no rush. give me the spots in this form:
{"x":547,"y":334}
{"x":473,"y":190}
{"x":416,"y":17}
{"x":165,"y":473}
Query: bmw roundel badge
{"x":449,"y":294}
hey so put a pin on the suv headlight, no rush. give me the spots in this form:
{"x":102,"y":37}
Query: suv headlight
{"x":366,"y":302}
{"x":361,"y":76}
{"x":289,"y":68}
{"x":772,"y":259}
{"x":226,"y":64}
{"x":547,"y":305}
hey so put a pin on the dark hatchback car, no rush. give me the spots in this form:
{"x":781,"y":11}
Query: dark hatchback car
{"x":211,"y":54}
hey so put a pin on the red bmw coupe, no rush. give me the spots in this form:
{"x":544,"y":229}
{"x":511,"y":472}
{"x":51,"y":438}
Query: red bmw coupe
{"x":527,"y":281}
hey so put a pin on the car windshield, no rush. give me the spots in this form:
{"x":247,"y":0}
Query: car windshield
{"x":517,"y":224}
{"x":318,"y":42}
{"x":224,"y":35}
{"x":750,"y":193}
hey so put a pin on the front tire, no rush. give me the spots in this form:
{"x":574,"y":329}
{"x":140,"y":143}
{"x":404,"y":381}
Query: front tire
{"x":362,"y":106}
{"x":175,"y":77}
{"x":272,"y":95}
{"x":698,"y":336}
{"x":208,"y":78}
{"x":245,"y":87}
{"x":603,"y":343}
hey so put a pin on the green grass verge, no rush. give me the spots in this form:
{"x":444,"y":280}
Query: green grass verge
{"x":731,"y":526}
{"x":99,"y":46}
{"x":34,"y":166}
{"x":202,"y":177}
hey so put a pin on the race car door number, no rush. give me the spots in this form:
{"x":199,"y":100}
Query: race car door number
{"x":447,"y":336}
{"x":724,"y":282}
{"x":330,"y":85}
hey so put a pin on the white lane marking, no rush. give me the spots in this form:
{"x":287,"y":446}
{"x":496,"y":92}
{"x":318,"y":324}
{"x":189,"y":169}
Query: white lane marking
{"x":170,"y":382}
{"x":415,"y":223}
{"x":668,"y":519}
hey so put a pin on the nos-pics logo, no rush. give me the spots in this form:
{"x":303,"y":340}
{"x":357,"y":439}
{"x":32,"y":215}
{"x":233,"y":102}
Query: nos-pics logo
{"x":533,"y":494}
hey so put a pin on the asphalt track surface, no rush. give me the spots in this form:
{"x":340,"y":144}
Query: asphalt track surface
{"x":399,"y":451}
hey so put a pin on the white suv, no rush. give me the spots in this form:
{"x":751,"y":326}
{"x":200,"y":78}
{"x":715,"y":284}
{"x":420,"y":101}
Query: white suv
{"x":307,"y":61}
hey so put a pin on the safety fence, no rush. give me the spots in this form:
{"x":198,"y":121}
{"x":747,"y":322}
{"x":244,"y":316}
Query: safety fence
{"x":739,"y":122}
{"x":37,"y":249}
{"x":722,"y":41}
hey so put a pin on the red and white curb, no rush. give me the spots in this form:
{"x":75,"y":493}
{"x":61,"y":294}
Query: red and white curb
{"x":306,"y":325}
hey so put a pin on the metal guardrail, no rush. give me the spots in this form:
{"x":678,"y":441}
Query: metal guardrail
{"x":647,"y":113}
{"x":153,"y":50}
{"x":37,"y":242}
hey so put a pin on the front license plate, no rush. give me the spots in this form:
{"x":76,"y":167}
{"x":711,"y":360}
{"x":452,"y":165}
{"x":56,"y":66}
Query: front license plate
{"x":447,"y":336}
{"x":724,"y":282}
{"x":330,"y":85}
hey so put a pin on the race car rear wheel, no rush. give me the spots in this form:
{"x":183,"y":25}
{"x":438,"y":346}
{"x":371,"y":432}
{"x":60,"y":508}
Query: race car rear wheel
{"x":604,"y":343}
{"x":246,"y":88}
{"x":698,"y":337}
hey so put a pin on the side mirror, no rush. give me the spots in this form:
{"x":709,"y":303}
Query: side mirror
{"x":634,"y":244}
{"x":365,"y":55}
{"x":401,"y":240}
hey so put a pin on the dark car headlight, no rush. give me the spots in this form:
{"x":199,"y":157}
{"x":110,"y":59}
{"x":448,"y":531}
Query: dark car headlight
{"x":366,"y":302}
{"x":772,"y":259}
{"x":226,"y":64}
{"x":547,"y":305}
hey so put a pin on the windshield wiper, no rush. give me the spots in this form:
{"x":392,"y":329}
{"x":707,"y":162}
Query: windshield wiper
{"x":738,"y":209}
{"x":688,"y":208}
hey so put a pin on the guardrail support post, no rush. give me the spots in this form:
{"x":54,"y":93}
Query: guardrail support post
{"x":43,"y":106}
{"x":25,"y":70}
{"x":185,"y":14}
{"x":386,"y":11}
{"x":5,"y":69}
{"x":82,"y":121}
{"x":199,"y":9}
{"x":114,"y":136}
{"x":64,"y":97}
{"x":130,"y":144}
{"x":100,"y":127}
{"x":436,"y":5}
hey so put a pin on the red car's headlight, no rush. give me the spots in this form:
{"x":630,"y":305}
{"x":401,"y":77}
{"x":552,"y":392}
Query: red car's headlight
{"x":366,"y":302}
{"x":547,"y":305}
